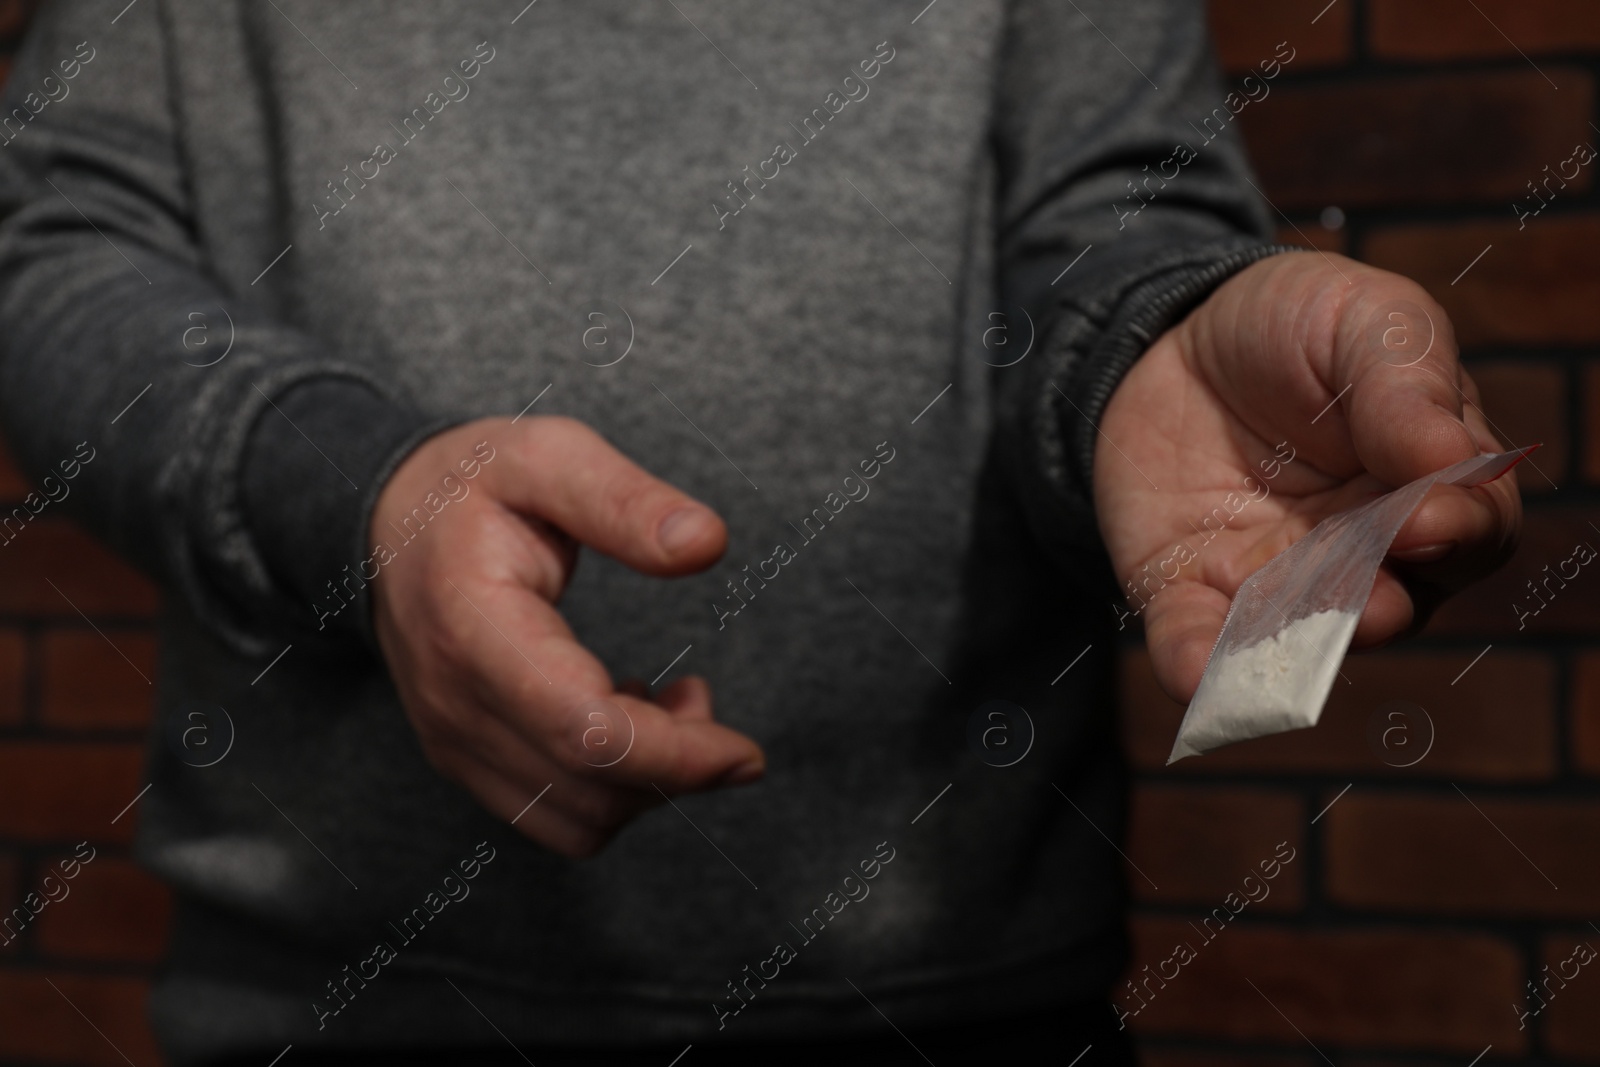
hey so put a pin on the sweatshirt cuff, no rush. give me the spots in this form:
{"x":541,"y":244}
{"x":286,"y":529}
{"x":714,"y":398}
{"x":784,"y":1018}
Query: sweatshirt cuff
{"x":1108,"y":328}
{"x":315,"y":462}
{"x":1096,"y":328}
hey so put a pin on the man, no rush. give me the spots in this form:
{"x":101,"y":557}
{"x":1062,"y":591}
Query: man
{"x":873,"y":329}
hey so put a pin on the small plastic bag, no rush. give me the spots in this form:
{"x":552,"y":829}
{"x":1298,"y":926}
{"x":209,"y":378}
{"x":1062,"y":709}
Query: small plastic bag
{"x":1290,"y":624}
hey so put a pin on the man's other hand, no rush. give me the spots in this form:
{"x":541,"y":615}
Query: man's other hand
{"x":503,"y":697}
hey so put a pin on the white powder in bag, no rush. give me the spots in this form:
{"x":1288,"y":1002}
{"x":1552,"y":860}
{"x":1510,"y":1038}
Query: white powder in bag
{"x":1277,"y":684}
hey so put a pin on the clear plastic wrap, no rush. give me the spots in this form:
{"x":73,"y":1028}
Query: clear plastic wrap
{"x":1291,"y":622}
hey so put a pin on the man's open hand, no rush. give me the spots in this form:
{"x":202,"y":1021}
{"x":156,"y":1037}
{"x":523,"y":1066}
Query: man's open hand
{"x":1327,"y":355}
{"x":503,"y":697}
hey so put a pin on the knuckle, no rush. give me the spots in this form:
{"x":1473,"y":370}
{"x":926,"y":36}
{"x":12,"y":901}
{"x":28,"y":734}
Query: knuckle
{"x":545,"y":430}
{"x":595,"y":734}
{"x":448,"y":633}
{"x":450,"y":653}
{"x":622,"y":496}
{"x":632,"y":502}
{"x":568,"y":752}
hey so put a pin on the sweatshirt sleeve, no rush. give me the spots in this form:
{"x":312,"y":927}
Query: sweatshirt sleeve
{"x":1120,"y":209}
{"x":240,"y":481}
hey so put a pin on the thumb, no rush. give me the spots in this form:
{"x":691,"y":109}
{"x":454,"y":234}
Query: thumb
{"x":1405,"y":410}
{"x":658,"y":748}
{"x":564,"y":473}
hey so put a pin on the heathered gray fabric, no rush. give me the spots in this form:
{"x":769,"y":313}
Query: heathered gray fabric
{"x":804,"y":335}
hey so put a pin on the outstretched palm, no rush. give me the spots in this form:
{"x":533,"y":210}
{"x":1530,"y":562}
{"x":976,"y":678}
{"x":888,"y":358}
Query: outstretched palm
{"x":1302,"y":386}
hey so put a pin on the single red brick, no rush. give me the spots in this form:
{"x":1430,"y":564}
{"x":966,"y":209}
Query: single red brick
{"x":1419,"y":140}
{"x":1591,"y":422}
{"x":1441,"y":29}
{"x":69,"y":792}
{"x":1463,"y":854}
{"x":89,"y":685}
{"x":1197,"y":845}
{"x":1351,"y":988}
{"x":40,"y":1019}
{"x":1586,"y":712}
{"x":113,"y":912}
{"x":13,"y":675}
{"x":1476,"y":733}
{"x":1525,"y":402}
{"x":87,"y":578}
{"x":1533,"y":286}
{"x":1248,"y":32}
{"x":1571,"y":996}
{"x":13,"y":486}
{"x":1503,"y":603}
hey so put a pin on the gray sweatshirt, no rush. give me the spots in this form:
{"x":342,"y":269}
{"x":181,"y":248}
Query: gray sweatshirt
{"x":860,"y":278}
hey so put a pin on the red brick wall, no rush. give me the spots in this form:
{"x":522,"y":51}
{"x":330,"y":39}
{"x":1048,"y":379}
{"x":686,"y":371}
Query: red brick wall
{"x":1416,"y":907}
{"x":73,"y":715}
{"x":1420,"y":904}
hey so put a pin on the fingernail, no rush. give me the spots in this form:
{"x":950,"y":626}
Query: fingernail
{"x":1426,"y":553}
{"x":682,"y":528}
{"x":744,"y":774}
